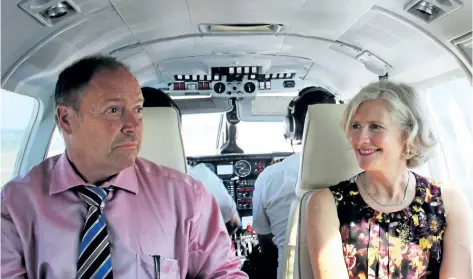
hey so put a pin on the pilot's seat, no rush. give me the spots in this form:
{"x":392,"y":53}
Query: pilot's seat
{"x":162,"y":139}
{"x":327,"y":159}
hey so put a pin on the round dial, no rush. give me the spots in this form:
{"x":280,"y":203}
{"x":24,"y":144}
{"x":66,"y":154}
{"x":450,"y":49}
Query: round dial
{"x":249,"y":87}
{"x":242,"y":168}
{"x":219,"y":87}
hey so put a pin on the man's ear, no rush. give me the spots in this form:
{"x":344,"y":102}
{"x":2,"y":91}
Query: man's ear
{"x":64,"y":115}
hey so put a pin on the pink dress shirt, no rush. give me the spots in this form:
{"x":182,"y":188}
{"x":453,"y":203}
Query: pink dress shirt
{"x":153,"y":211}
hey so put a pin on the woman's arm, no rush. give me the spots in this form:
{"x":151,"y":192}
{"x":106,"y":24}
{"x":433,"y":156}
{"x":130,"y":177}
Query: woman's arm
{"x":456,"y":262}
{"x":323,"y":237}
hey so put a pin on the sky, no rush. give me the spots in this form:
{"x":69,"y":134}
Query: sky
{"x":15,"y":110}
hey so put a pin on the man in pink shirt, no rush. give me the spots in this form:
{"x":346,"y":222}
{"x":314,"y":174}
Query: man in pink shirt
{"x":98,"y":211}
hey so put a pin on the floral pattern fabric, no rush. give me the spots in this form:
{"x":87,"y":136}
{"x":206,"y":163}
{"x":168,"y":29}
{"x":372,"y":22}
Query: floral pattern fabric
{"x":403,"y":244}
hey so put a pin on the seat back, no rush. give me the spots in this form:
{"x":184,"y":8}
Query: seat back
{"x":162,"y":139}
{"x":327,"y":159}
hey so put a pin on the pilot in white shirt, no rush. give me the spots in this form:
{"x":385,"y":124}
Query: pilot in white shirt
{"x":275,"y":186}
{"x":157,"y":98}
{"x":215,"y":185}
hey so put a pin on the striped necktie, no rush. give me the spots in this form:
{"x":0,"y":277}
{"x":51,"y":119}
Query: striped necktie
{"x":95,"y":260}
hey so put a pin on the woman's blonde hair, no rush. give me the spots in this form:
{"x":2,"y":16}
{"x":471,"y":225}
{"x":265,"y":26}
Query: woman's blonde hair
{"x":406,"y":111}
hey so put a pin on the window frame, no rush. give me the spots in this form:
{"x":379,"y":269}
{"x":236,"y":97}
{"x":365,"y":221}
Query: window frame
{"x":27,"y":133}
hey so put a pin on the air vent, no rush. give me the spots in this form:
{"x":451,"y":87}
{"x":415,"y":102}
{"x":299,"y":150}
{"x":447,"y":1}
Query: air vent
{"x":240,"y":28}
{"x":50,"y":13}
{"x":430,"y":11}
{"x":464,"y":45}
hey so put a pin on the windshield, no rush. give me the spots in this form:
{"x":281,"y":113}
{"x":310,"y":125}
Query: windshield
{"x":199,"y":133}
{"x":262,"y":137}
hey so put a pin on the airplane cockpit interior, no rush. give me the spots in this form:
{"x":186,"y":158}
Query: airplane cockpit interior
{"x":232,"y":68}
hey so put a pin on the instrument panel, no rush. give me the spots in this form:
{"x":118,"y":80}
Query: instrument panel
{"x":238,"y":173}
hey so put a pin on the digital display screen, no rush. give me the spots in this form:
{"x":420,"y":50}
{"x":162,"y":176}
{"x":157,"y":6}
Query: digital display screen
{"x":224,"y":169}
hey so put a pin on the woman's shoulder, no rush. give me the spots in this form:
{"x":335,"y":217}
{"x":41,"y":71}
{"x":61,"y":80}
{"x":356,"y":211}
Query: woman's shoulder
{"x":428,"y":189}
{"x":345,"y":190}
{"x":345,"y":186}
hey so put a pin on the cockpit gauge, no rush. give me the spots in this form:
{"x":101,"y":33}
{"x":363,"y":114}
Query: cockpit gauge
{"x":242,"y":168}
{"x":219,"y":87}
{"x":249,"y":87}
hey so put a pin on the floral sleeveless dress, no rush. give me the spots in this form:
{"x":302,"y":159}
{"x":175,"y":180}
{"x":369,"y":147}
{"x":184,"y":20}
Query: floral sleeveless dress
{"x":403,"y":244}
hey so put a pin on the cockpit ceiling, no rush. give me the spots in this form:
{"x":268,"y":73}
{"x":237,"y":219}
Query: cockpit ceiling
{"x":158,"y":38}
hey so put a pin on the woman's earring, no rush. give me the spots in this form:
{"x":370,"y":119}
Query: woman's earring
{"x":408,"y":153}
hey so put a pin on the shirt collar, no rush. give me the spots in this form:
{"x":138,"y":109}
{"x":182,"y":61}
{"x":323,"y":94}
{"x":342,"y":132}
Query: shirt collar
{"x":64,"y":178}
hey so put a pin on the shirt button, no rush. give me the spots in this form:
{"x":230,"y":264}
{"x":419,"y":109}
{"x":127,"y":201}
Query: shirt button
{"x":102,"y":205}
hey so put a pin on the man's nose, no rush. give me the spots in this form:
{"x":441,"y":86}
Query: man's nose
{"x":132,"y":121}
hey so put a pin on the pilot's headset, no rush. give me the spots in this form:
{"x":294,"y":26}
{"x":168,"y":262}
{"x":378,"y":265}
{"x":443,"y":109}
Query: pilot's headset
{"x":293,"y":122}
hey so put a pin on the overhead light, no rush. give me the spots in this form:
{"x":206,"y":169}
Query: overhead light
{"x":235,"y":28}
{"x":425,"y":8}
{"x":49,"y":13}
{"x":431,"y":11}
{"x":57,"y":11}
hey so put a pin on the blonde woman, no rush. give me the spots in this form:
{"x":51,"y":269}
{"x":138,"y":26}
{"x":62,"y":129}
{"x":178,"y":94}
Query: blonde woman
{"x":388,"y":222}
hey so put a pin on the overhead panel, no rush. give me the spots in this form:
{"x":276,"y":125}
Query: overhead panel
{"x":40,"y":70}
{"x":155,"y":19}
{"x":446,"y":28}
{"x":105,"y":32}
{"x":329,"y":19}
{"x":395,"y":42}
{"x":201,"y":65}
{"x":20,"y":32}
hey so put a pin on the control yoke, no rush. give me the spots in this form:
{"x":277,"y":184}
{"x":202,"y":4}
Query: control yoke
{"x":231,"y":146}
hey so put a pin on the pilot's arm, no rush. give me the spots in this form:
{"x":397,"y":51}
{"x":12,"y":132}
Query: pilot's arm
{"x":13,"y":258}
{"x":210,"y":251}
{"x":261,"y":224}
{"x":215,"y":186}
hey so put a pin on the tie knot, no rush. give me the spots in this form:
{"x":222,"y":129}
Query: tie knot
{"x":93,"y":195}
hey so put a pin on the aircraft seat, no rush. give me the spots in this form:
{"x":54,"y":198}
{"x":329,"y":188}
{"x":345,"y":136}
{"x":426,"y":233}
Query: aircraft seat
{"x":162,"y":139}
{"x":327,"y":159}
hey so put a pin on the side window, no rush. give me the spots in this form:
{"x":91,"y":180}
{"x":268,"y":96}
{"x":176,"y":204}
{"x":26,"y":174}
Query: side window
{"x":56,"y":145}
{"x":17,"y":116}
{"x":450,"y":109}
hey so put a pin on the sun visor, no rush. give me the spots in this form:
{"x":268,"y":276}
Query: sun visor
{"x":270,"y":106}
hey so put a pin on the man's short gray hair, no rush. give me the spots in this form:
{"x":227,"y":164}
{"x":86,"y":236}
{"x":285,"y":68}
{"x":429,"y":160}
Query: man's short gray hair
{"x":75,"y":78}
{"x":406,"y":110}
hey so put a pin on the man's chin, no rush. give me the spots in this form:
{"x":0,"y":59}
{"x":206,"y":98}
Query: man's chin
{"x":123,"y":162}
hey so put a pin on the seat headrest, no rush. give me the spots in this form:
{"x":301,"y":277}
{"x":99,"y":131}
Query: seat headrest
{"x":327,"y":156}
{"x":162,"y":140}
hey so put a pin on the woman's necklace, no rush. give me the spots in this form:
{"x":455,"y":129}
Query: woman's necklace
{"x":365,"y":187}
